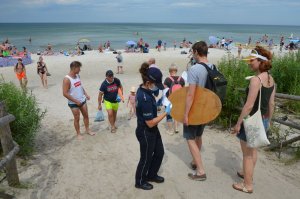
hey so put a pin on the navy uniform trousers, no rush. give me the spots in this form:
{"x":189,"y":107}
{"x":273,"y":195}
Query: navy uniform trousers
{"x":152,"y":152}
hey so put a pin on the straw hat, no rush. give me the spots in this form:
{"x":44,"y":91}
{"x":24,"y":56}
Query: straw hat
{"x":132,"y":89}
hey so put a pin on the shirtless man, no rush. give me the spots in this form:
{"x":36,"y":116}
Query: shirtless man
{"x":21,"y":73}
{"x":76,"y":95}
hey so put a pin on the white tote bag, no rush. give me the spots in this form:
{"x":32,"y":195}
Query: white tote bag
{"x":255,"y":130}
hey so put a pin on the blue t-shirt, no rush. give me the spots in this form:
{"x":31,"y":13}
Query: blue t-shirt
{"x":159,"y":42}
{"x":110,"y":90}
{"x":145,"y":106}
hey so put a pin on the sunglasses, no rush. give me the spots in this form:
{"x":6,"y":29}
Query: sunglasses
{"x":255,"y":54}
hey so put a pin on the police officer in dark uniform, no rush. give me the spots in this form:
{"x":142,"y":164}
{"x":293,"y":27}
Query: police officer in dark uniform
{"x":147,"y":132}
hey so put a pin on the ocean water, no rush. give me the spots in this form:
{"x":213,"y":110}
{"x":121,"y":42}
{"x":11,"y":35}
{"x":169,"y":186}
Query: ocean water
{"x":64,"y":36}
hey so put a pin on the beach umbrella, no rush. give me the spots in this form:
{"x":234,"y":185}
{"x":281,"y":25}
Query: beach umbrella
{"x":129,"y":43}
{"x":295,"y":41}
{"x":84,"y":40}
{"x":213,"y":39}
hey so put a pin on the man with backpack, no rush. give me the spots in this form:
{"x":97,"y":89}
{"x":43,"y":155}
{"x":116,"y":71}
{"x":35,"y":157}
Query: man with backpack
{"x":173,"y":82}
{"x":198,"y":75}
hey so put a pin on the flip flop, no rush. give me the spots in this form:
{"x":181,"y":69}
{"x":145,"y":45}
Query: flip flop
{"x":240,"y":175}
{"x":113,"y":130}
{"x":242,"y":189}
{"x":91,"y":133}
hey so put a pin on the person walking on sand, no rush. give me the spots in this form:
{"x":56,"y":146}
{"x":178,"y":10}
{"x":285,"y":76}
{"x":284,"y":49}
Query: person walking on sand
{"x":260,"y":63}
{"x":131,"y":103}
{"x":100,"y":48}
{"x":223,"y":42}
{"x":152,"y":62}
{"x":173,"y":82}
{"x":77,"y":96}
{"x":240,"y":50}
{"x":159,"y":43}
{"x":147,"y":132}
{"x":197,"y":76}
{"x":281,"y":44}
{"x":21,"y":73}
{"x":109,"y":92}
{"x":119,"y":58}
{"x":42,"y":71}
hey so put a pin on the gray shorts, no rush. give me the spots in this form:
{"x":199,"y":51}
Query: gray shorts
{"x":190,"y":132}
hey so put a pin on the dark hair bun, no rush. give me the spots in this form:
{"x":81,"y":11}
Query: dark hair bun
{"x":144,"y":68}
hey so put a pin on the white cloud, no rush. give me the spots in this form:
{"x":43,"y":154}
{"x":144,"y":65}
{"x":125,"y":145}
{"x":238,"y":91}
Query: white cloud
{"x":188,"y":4}
{"x":45,"y":2}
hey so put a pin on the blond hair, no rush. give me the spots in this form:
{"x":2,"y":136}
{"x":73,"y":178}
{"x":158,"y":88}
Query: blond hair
{"x":173,"y":67}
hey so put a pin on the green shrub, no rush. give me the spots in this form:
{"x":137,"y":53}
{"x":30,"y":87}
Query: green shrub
{"x":235,"y":71}
{"x":286,"y":73}
{"x":28,"y":115}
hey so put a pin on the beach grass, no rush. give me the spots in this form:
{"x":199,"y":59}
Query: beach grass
{"x":285,"y":71}
{"x":235,"y":71}
{"x":24,"y":106}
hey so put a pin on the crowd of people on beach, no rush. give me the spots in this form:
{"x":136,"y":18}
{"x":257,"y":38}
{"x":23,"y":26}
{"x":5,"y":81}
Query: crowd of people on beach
{"x":7,"y":49}
{"x":143,"y":107}
{"x":265,"y":40}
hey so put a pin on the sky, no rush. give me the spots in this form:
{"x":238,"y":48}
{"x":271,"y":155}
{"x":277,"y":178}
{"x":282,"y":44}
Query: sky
{"x":265,"y":12}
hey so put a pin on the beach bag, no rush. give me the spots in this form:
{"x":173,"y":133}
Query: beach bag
{"x":175,"y":84}
{"x":119,"y":59}
{"x":99,"y":116}
{"x":216,"y":81}
{"x":254,"y":128}
{"x":118,"y":99}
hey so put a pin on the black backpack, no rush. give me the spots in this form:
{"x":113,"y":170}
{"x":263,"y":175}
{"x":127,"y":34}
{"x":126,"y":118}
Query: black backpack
{"x":216,"y":81}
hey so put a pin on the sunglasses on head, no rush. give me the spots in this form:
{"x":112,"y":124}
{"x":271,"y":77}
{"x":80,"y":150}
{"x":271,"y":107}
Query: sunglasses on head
{"x":255,"y":54}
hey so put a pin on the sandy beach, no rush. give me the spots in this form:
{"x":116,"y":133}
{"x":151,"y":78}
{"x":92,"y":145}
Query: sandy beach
{"x":103,"y":166}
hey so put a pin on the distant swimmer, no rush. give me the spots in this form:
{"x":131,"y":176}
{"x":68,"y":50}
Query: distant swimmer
{"x":29,"y":40}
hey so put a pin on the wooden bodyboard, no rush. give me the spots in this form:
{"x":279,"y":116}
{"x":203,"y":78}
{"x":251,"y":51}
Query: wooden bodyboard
{"x":205,"y":108}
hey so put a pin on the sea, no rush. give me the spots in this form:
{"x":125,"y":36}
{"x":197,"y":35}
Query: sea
{"x":64,"y":36}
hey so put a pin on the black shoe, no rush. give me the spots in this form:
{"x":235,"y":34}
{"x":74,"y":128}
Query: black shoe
{"x":145,"y":186}
{"x":157,"y":179}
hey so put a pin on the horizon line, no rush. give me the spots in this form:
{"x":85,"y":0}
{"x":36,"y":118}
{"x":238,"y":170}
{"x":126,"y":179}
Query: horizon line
{"x":147,"y":23}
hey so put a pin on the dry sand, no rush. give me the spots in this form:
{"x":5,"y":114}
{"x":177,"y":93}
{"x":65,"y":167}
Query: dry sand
{"x":103,"y":166}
